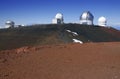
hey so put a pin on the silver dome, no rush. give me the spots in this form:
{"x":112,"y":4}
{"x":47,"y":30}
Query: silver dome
{"x":9,"y":24}
{"x":86,"y":18}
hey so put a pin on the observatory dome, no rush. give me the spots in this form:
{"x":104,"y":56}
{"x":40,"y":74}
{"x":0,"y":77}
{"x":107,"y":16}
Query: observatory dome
{"x":86,"y":18}
{"x":59,"y":16}
{"x":58,"y":19}
{"x":102,"y":21}
{"x":9,"y":24}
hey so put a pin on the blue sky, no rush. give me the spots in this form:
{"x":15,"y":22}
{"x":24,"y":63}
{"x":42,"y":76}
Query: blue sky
{"x":43,"y":11}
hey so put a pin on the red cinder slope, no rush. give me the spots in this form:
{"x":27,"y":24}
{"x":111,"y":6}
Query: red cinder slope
{"x":71,"y":61}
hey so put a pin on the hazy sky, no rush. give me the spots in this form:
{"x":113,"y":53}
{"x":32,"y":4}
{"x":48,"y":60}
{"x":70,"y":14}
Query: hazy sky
{"x":43,"y":11}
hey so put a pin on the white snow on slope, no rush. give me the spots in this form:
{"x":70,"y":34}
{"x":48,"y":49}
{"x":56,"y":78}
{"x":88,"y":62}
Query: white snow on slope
{"x":74,"y":33}
{"x":68,"y":30}
{"x":77,"y":41}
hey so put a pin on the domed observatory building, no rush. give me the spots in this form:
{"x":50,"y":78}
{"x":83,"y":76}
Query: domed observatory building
{"x":86,"y":18}
{"x":9,"y":24}
{"x":58,"y":19}
{"x":102,"y":21}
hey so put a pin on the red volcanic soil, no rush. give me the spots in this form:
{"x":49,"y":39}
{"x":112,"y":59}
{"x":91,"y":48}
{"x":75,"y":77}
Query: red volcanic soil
{"x":70,"y":61}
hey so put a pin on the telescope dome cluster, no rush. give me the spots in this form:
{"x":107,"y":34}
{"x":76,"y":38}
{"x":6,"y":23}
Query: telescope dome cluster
{"x":86,"y":18}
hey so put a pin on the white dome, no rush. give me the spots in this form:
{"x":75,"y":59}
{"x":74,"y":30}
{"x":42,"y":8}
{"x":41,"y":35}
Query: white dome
{"x":102,"y":21}
{"x":59,"y":16}
{"x":58,"y":19}
{"x":9,"y":22}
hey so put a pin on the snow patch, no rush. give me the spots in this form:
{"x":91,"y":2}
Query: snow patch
{"x":68,"y":30}
{"x":77,"y":41}
{"x":74,"y":33}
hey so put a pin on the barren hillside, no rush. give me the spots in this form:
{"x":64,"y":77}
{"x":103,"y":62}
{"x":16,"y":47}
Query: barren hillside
{"x":55,"y":34}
